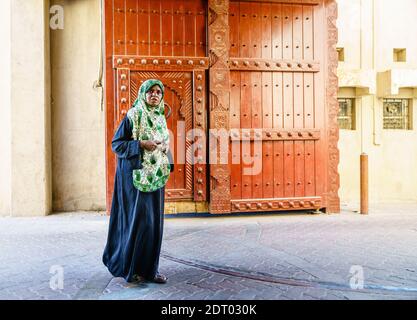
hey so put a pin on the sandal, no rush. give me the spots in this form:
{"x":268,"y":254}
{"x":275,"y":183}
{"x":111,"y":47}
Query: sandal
{"x":160,"y":278}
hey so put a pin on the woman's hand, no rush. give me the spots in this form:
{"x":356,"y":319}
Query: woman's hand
{"x":149,"y":145}
{"x":162,"y":146}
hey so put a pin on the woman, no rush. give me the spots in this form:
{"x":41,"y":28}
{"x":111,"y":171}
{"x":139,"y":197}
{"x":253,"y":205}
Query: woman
{"x":137,"y":213}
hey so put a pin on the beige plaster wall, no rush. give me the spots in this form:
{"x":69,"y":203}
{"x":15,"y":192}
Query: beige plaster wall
{"x":78,"y":127}
{"x":30,"y":89}
{"x":396,"y":27}
{"x":349,"y":18}
{"x":5,"y":109}
{"x":383,"y":26}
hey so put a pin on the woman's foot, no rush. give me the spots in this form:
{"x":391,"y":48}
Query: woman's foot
{"x":160,"y":278}
{"x":138,"y":279}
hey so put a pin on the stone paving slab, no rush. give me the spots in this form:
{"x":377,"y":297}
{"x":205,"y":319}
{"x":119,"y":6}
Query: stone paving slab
{"x":250,"y":257}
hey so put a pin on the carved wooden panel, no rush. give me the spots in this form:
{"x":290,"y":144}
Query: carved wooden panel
{"x":219,"y":86}
{"x":186,"y":119}
{"x":200,"y":136}
{"x":123,"y":95}
{"x":160,"y":63}
{"x":159,"y":27}
{"x":277,"y":93}
{"x":274,"y":204}
{"x":251,"y":64}
{"x":333,"y":201}
{"x":178,"y":97}
{"x":164,"y":39}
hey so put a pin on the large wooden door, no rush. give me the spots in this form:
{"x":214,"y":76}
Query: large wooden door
{"x":273,"y":93}
{"x":271,"y":84}
{"x":278,"y":104}
{"x":164,"y":39}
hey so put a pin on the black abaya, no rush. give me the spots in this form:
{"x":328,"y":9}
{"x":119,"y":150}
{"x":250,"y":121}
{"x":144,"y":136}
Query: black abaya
{"x":136,"y":221}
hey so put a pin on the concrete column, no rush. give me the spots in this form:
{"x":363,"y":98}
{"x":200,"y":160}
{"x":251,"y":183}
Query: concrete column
{"x":27,"y":108}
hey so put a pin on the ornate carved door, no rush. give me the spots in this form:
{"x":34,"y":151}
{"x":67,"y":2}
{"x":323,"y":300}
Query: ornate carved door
{"x":272,"y":87}
{"x":164,"y":39}
{"x":273,"y":84}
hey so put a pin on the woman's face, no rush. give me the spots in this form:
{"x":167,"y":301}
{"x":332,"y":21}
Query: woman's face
{"x":154,"y":96}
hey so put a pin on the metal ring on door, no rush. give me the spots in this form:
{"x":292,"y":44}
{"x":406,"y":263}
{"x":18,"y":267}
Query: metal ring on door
{"x":167,"y":115}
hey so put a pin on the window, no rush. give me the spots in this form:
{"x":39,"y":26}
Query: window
{"x":346,"y":116}
{"x":400,"y":55}
{"x":397,"y":114}
{"x":341,"y":54}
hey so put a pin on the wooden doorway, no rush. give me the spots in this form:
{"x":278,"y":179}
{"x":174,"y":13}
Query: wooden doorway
{"x":273,"y":87}
{"x":263,"y":71}
{"x":165,"y":39}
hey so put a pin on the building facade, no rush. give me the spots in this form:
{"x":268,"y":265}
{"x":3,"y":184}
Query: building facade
{"x":55,"y":126}
{"x":377,"y":93}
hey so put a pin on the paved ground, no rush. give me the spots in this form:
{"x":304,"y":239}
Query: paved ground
{"x":282,"y":256}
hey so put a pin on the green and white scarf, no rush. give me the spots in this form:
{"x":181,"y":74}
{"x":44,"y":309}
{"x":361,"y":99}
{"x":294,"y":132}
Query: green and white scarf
{"x":149,"y":123}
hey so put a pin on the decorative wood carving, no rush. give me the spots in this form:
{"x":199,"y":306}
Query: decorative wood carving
{"x":218,"y":31}
{"x":220,"y":189}
{"x":253,"y":64}
{"x":255,"y":205}
{"x":160,"y":63}
{"x":200,"y":123}
{"x":274,"y":134}
{"x":333,"y":201}
{"x":179,"y":96}
{"x":123,"y":94}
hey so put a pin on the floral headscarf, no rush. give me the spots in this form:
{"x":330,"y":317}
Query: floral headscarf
{"x":149,"y":123}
